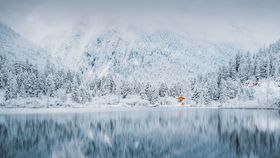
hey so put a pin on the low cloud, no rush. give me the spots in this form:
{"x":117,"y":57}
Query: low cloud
{"x":248,"y":23}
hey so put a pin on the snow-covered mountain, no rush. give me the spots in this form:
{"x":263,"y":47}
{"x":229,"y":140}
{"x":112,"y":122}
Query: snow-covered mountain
{"x":127,"y":54}
{"x":14,"y":46}
{"x":123,"y":61}
{"x":146,"y":56}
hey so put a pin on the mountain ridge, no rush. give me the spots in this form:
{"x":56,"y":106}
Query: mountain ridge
{"x":16,"y":47}
{"x":135,"y":54}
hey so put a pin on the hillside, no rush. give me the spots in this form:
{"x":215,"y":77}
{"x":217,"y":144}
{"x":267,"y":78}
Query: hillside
{"x":151,"y":57}
{"x":246,"y":80}
{"x":14,"y":46}
{"x":135,"y":69}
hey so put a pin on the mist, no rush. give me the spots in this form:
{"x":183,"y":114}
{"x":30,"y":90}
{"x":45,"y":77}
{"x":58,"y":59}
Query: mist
{"x":249,"y":24}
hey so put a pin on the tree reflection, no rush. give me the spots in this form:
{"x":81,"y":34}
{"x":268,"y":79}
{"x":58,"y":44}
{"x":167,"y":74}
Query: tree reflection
{"x":199,"y":133}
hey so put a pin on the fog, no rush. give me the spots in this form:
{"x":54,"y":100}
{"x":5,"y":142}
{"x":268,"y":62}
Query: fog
{"x":247,"y":23}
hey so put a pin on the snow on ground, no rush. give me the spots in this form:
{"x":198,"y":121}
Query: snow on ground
{"x":267,"y":95}
{"x":2,"y":93}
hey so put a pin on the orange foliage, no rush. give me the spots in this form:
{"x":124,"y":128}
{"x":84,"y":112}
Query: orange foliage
{"x":180,"y":98}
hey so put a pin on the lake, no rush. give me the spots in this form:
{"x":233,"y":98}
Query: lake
{"x":144,"y":133}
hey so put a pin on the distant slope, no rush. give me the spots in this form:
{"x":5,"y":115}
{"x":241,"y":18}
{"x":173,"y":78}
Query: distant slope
{"x":152,"y":57}
{"x":13,"y":46}
{"x":246,"y":80}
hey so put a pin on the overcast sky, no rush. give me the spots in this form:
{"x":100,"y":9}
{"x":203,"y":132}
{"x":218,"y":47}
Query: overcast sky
{"x":248,"y":23}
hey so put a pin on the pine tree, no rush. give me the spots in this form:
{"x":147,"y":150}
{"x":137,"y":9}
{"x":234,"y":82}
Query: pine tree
{"x":124,"y":89}
{"x":11,"y":89}
{"x":150,"y":93}
{"x":3,"y":72}
{"x":163,"y":90}
{"x":50,"y":85}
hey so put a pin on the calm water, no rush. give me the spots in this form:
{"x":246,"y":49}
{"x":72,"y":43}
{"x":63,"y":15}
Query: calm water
{"x":155,"y":133}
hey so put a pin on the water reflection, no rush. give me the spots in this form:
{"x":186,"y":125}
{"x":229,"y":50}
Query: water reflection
{"x":148,"y":133}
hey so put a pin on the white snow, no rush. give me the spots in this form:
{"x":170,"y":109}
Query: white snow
{"x":145,"y":56}
{"x":2,"y":93}
{"x":104,"y":71}
{"x":15,"y":47}
{"x":157,"y":57}
{"x":267,"y":95}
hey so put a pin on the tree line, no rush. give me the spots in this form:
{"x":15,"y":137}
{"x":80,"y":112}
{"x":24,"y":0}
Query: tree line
{"x":234,"y":80}
{"x":238,"y":78}
{"x":24,"y":79}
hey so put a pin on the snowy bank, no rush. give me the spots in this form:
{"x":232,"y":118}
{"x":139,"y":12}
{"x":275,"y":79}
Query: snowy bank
{"x":266,"y":95}
{"x":96,"y":102}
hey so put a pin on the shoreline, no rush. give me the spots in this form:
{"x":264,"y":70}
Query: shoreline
{"x":65,"y":110}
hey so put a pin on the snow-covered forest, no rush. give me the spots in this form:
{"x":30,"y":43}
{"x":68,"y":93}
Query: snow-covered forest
{"x":238,"y":80}
{"x":24,"y":80}
{"x":240,"y":77}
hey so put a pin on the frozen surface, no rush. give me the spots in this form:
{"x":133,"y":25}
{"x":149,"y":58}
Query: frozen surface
{"x":146,"y":132}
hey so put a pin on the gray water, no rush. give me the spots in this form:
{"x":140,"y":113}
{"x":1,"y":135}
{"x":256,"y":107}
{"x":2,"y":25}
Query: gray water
{"x":155,"y":133}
